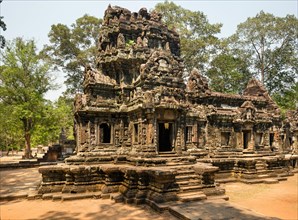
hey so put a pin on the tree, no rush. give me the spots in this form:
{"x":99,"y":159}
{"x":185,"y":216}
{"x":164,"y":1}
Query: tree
{"x":24,"y":79}
{"x":197,"y":35}
{"x":228,"y":73}
{"x":71,"y":48}
{"x":271,"y":44}
{"x":56,"y":115}
{"x":10,"y":129}
{"x":3,"y":27}
{"x":288,"y":99}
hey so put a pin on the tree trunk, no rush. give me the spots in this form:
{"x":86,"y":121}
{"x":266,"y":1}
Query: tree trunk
{"x":27,"y":122}
{"x":27,"y":154}
{"x":262,"y":61}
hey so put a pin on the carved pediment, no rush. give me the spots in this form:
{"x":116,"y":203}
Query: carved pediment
{"x":92,"y":76}
{"x":161,"y":63}
{"x":197,"y":83}
{"x":247,"y":111}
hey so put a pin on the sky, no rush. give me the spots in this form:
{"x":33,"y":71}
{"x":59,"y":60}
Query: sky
{"x":33,"y":19}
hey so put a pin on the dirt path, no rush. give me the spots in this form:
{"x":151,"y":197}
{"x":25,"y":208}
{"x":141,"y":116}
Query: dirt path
{"x":276,"y":200}
{"x":87,"y":209}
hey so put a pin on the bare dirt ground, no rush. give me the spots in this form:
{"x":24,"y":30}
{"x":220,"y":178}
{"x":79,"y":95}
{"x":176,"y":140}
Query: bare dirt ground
{"x":276,"y":200}
{"x":14,"y":157}
{"x":14,"y":181}
{"x":87,"y":209}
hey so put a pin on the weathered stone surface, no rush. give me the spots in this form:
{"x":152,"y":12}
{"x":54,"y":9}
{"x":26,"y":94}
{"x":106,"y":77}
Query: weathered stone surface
{"x":140,"y":129}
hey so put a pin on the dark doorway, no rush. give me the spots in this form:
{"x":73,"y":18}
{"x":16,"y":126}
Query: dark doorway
{"x":246,"y":139}
{"x":271,"y":139}
{"x":165,"y":136}
{"x":105,"y":133}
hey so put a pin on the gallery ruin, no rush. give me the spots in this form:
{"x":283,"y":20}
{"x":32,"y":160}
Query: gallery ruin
{"x":143,"y":134}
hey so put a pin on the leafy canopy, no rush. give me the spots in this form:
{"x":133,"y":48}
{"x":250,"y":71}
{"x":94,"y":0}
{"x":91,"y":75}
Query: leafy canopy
{"x":3,"y":27}
{"x":197,"y":35}
{"x":228,"y":73}
{"x":271,"y":44}
{"x":71,"y":48}
{"x":24,"y":80}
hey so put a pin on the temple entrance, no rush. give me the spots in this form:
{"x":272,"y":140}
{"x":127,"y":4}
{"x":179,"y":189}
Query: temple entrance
{"x":271,"y":139}
{"x":105,"y":133}
{"x":246,"y":138}
{"x":165,"y":137}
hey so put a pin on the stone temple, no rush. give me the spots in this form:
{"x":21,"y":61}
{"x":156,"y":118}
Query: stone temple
{"x":143,"y":134}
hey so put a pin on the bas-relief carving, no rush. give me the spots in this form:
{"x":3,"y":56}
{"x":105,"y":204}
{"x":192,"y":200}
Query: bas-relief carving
{"x":121,"y":41}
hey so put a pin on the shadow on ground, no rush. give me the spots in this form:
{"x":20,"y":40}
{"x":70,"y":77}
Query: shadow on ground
{"x":214,"y":210}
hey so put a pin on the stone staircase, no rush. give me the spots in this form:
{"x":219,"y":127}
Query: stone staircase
{"x":228,"y":154}
{"x":189,"y":184}
{"x":191,"y":187}
{"x":263,"y":175}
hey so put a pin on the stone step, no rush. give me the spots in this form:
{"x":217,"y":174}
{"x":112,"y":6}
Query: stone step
{"x":117,"y":197}
{"x":186,"y":177}
{"x":251,"y":181}
{"x":227,"y":180}
{"x":178,"y":164}
{"x":295,"y":170}
{"x":167,"y":154}
{"x":262,"y":172}
{"x":191,"y":196}
{"x":47,"y":196}
{"x":229,"y":153}
{"x":70,"y":196}
{"x":189,"y":182}
{"x":230,"y":149}
{"x":190,"y":188}
{"x":218,"y":197}
{"x":261,"y":161}
{"x":185,"y":172}
{"x":271,"y":175}
{"x":260,"y":180}
{"x":261,"y":166}
{"x":258,"y":166}
{"x":219,"y":156}
{"x":281,"y":178}
{"x":270,"y":181}
{"x":262,"y":176}
{"x":12,"y":196}
{"x":286,"y":174}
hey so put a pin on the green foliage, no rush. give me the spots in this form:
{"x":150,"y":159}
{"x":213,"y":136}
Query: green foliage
{"x":71,"y":48}
{"x":11,"y":135}
{"x":197,"y":35}
{"x":130,"y":43}
{"x":288,"y":99}
{"x":270,"y":43}
{"x":56,"y":116}
{"x":3,"y":27}
{"x":24,"y":81}
{"x":228,"y":74}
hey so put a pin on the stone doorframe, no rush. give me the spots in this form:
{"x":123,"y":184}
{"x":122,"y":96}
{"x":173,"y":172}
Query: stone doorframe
{"x":171,"y":125}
